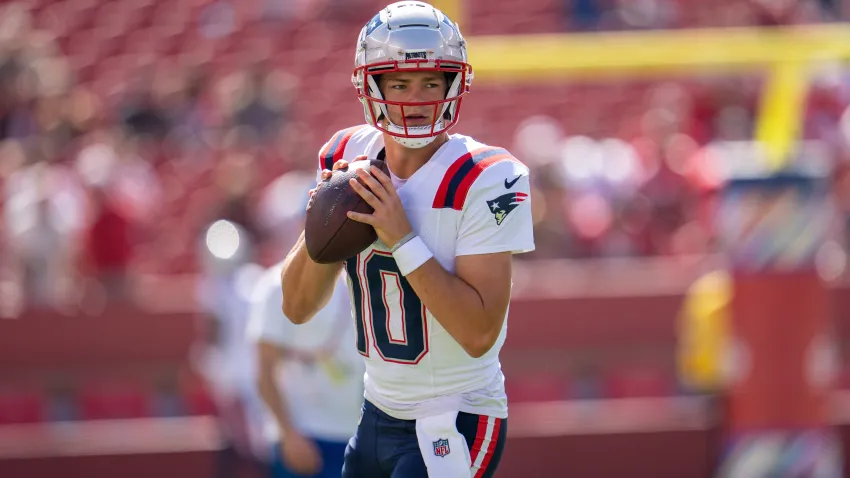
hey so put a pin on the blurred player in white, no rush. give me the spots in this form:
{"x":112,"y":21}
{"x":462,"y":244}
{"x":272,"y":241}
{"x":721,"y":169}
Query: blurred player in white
{"x":310,"y":377}
{"x":431,"y":295}
{"x":222,"y":355}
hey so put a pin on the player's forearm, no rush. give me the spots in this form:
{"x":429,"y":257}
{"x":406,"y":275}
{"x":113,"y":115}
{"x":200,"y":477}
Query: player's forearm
{"x":457,"y":306}
{"x":307,"y":285}
{"x":274,"y":401}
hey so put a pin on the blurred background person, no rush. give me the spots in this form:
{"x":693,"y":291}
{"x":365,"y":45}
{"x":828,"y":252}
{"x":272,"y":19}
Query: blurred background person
{"x":310,"y":376}
{"x":223,"y":355}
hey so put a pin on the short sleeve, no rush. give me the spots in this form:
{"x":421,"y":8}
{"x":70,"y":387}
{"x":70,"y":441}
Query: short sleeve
{"x":320,"y":162}
{"x":337,"y":147}
{"x":497,"y":212}
{"x":266,"y":321}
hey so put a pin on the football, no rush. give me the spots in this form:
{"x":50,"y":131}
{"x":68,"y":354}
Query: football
{"x":329,"y":234}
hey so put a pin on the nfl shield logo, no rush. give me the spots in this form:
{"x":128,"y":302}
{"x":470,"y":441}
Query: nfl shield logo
{"x":441,"y":447}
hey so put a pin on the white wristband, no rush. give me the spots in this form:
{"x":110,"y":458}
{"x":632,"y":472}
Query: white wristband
{"x":411,"y":255}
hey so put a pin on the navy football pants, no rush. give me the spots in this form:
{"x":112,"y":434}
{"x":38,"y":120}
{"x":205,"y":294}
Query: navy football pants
{"x":386,"y":447}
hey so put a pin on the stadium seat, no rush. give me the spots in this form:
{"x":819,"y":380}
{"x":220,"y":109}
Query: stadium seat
{"x":112,"y":400}
{"x":537,"y":388}
{"x":21,"y":405}
{"x":638,"y":382}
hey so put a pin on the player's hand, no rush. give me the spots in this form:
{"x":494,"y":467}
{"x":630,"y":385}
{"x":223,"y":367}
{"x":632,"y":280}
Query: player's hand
{"x":326,"y":173}
{"x":341,"y":164}
{"x":301,"y":455}
{"x":389,"y":219}
{"x":310,"y":201}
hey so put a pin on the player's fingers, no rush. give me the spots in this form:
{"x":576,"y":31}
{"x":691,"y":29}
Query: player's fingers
{"x":367,"y":195}
{"x":326,"y":173}
{"x":312,"y":192}
{"x":385,"y":180}
{"x":341,"y":164}
{"x":360,"y":217}
{"x":377,"y":188}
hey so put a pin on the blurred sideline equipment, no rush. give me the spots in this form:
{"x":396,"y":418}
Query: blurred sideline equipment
{"x":776,"y":228}
{"x":761,"y":335}
{"x":703,"y":329}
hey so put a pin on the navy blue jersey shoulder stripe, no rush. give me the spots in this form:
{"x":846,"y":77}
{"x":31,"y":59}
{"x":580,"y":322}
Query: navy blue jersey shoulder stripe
{"x":462,"y":173}
{"x":336,"y":147}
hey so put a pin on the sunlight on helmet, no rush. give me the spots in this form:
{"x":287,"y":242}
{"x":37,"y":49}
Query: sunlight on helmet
{"x":222,"y":239}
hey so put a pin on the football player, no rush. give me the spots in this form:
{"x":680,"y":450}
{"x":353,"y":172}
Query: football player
{"x":430,"y":297}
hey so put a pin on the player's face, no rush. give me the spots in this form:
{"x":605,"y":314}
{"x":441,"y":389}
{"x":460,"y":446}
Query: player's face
{"x":413,"y":87}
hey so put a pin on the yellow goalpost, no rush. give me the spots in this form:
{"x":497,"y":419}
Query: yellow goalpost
{"x":785,"y":54}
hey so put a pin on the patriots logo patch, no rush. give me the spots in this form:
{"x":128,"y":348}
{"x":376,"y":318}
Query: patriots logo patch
{"x":504,"y":204}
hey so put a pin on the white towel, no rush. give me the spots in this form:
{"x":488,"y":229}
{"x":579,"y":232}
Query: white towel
{"x":443,"y":448}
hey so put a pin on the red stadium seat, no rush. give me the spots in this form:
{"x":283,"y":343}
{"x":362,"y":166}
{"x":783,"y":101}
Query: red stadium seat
{"x":537,"y":388}
{"x":112,"y":400}
{"x":634,"y":383}
{"x":21,"y":405}
{"x":196,"y":396}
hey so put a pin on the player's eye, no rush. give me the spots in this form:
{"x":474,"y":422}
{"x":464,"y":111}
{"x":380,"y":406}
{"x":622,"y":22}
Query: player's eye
{"x":398,"y":87}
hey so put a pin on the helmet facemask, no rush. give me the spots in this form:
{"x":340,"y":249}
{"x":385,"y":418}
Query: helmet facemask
{"x":445,"y":112}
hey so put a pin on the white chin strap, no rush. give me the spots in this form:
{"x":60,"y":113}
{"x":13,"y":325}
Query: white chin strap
{"x":414,"y":130}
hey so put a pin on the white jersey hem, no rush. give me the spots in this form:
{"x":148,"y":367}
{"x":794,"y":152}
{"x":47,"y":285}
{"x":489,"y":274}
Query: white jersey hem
{"x":436,"y":407}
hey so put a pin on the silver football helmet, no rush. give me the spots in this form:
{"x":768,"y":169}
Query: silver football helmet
{"x":411,"y":36}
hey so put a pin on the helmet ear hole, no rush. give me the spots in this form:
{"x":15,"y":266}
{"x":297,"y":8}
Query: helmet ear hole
{"x":453,"y":89}
{"x":450,"y":79}
{"x":378,"y":83}
{"x":379,"y":109}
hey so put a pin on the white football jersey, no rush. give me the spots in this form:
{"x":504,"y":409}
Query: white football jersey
{"x":469,"y":198}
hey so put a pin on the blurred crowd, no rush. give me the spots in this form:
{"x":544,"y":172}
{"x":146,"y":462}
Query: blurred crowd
{"x":128,"y":127}
{"x":617,"y":15}
{"x":600,"y":15}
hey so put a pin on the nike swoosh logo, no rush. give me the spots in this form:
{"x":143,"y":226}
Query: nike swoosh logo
{"x":510,"y":184}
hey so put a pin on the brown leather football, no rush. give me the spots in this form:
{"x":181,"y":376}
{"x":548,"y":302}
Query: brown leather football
{"x":329,"y":234}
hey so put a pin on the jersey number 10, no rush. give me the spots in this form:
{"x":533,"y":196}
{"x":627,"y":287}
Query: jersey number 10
{"x":381,"y":298}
